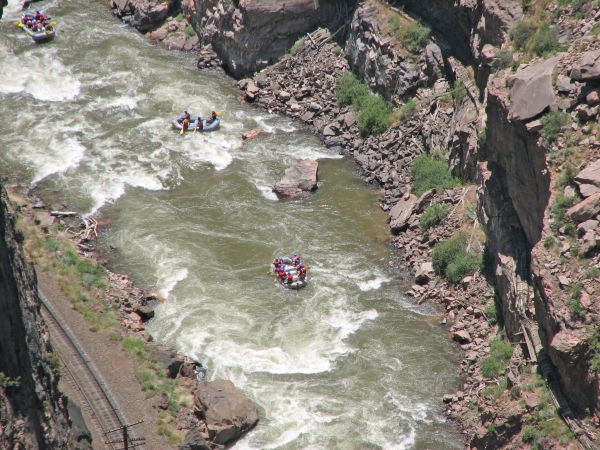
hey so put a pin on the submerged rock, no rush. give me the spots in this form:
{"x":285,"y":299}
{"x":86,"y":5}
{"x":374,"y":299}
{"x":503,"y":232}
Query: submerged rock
{"x":298,"y":179}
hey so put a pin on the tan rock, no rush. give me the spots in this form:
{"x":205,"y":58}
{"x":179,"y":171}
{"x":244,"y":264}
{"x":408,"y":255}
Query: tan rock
{"x":588,"y":179}
{"x":585,"y":209}
{"x":587,"y":68}
{"x":401,"y":213}
{"x":531,"y":90}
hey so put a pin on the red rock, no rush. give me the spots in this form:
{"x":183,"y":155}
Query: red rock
{"x":461,"y":336}
{"x":254,"y":133}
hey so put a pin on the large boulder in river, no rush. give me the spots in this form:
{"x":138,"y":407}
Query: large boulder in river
{"x":531,"y":90}
{"x":298,"y":179}
{"x":248,"y":35}
{"x":228,"y":412}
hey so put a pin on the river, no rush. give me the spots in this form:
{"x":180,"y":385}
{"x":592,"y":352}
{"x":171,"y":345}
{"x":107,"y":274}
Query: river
{"x":346,"y":363}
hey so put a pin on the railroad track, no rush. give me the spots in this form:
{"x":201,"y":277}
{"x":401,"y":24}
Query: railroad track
{"x":85,"y":378}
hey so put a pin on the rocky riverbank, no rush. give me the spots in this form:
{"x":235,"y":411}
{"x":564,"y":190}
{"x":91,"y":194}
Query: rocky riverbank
{"x":201,"y":414}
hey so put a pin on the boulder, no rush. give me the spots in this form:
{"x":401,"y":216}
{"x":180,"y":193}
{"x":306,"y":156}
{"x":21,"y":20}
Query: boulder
{"x":424,"y":273}
{"x":145,"y":312}
{"x":461,"y":336}
{"x":588,"y":225}
{"x":228,"y":412}
{"x":401,"y":212}
{"x":424,"y":200}
{"x":147,"y":14}
{"x":585,"y":209}
{"x":587,"y":68}
{"x":194,"y":441}
{"x":300,"y":178}
{"x":434,"y":61}
{"x":588,"y":180}
{"x":531,"y":90}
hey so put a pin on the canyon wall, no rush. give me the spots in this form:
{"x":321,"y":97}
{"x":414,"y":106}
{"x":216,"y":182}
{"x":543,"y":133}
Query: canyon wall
{"x":32,"y":410}
{"x":248,"y":35}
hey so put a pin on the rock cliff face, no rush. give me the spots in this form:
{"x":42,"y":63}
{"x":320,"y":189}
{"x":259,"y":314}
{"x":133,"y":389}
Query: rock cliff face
{"x":250,"y":34}
{"x":375,"y":59}
{"x":467,"y":25}
{"x":32,"y":410}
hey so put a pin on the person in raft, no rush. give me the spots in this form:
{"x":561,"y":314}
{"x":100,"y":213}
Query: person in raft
{"x":212,"y":118}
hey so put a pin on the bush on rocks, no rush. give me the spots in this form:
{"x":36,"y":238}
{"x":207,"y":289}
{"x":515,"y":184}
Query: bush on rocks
{"x":451,"y":259}
{"x":534,"y":37}
{"x":415,"y":36}
{"x":374,"y":115}
{"x":297,"y":46}
{"x":433,"y":215}
{"x":552,"y":124}
{"x":431,"y":172}
{"x":500,"y":353}
{"x":350,"y":90}
{"x":374,"y":111}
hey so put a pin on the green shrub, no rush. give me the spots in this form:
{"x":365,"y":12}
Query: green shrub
{"x":526,"y":5}
{"x":451,"y":259}
{"x":445,"y":252}
{"x":374,"y":115}
{"x":189,"y":30}
{"x":491,"y":312}
{"x":576,"y":310}
{"x":521,"y":33}
{"x":430,"y":172}
{"x":7,"y":382}
{"x":502,"y":60}
{"x":434,"y":215}
{"x":462,"y":266}
{"x":297,"y":46}
{"x":592,"y":272}
{"x":136,"y":347}
{"x":408,"y":109}
{"x":496,"y":362}
{"x":552,"y":124}
{"x":459,"y":92}
{"x":180,"y":17}
{"x":350,"y":90}
{"x":566,"y":177}
{"x":415,"y":36}
{"x":549,"y":242}
{"x":529,"y":434}
{"x":544,"y":42}
{"x":374,"y":110}
{"x":559,"y":211}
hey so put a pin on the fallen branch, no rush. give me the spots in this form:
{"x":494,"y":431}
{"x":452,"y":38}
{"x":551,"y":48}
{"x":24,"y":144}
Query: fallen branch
{"x":63,"y":213}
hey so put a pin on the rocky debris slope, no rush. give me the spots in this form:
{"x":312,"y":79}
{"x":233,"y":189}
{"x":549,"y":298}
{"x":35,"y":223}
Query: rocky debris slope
{"x":32,"y":411}
{"x":251,"y":34}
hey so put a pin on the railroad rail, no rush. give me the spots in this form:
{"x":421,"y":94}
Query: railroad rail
{"x":95,"y":395}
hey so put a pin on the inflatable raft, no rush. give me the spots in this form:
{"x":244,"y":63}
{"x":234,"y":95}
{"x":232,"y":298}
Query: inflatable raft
{"x":194,"y":123}
{"x":43,"y":35}
{"x":285,"y":266}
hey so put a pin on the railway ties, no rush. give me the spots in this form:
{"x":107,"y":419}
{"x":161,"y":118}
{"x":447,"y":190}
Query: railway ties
{"x":87,"y":381}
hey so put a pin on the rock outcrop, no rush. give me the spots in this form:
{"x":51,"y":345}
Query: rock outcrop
{"x":298,"y":179}
{"x":33,"y":412}
{"x":373,"y":56}
{"x":249,"y":35}
{"x":228,"y":413}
